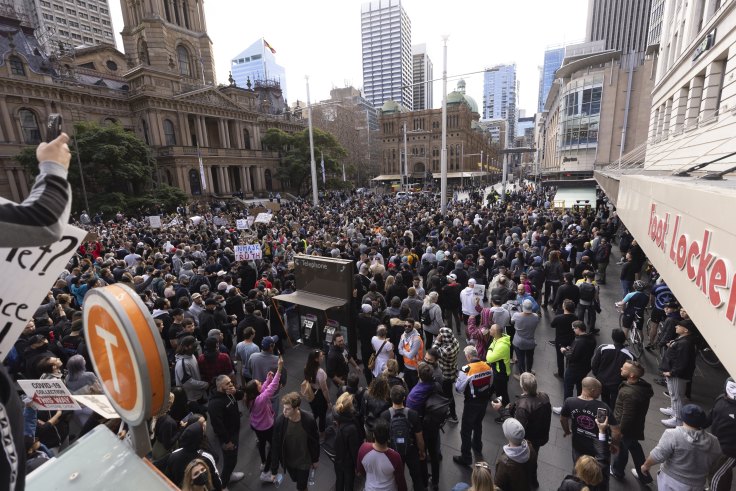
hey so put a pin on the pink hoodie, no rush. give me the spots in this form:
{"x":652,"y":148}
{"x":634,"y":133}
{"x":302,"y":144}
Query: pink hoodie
{"x":261,"y":411}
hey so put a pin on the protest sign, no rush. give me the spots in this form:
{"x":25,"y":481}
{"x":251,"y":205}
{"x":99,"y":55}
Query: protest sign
{"x":49,"y":394}
{"x":264,"y":218}
{"x":479,"y":291}
{"x":33,"y":271}
{"x":248,"y":252}
{"x":272,"y":205}
{"x":99,"y":404}
{"x":154,"y":221}
{"x":219,"y":221}
{"x":241,"y":224}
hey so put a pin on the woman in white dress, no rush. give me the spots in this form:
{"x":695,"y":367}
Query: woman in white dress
{"x":386,"y":353}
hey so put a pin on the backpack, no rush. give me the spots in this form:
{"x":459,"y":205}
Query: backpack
{"x":587,"y":291}
{"x":436,"y":410}
{"x":401,"y":437}
{"x":427,"y":317}
{"x":329,"y":443}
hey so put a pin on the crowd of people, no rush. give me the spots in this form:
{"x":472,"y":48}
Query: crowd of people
{"x":422,"y":332}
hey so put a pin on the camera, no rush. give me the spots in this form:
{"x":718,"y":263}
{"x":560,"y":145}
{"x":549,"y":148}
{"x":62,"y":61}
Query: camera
{"x":53,"y":126}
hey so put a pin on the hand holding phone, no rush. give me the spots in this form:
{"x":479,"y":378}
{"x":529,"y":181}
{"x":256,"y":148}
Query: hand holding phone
{"x":53,"y":126}
{"x":601,"y":415}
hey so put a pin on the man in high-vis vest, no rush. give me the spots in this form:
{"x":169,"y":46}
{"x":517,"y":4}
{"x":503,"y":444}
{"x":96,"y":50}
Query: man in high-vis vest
{"x":411,"y":348}
{"x":474,"y":380}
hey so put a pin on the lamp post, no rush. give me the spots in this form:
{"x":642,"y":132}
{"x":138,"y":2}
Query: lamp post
{"x":443,"y":158}
{"x":405,"y":174}
{"x":315,"y":195}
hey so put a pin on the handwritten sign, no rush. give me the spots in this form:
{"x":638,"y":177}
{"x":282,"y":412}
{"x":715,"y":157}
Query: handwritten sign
{"x":248,"y":252}
{"x":263,"y":218}
{"x":219,"y":221}
{"x":99,"y":404}
{"x":49,"y":394}
{"x":479,"y":291}
{"x":33,"y":270}
{"x":241,"y":224}
{"x":154,"y":221}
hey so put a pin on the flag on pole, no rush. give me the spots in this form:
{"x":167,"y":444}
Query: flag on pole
{"x":323,"y":169}
{"x":201,"y":170}
{"x":265,"y":44}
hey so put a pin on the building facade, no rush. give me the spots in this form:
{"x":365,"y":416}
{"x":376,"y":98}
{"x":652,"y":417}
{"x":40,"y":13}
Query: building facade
{"x":162,"y":89}
{"x":675,"y":200}
{"x":73,"y":24}
{"x":257,"y":64}
{"x":499,"y":97}
{"x":552,"y":61}
{"x":387,"y":61}
{"x":423,"y":75}
{"x":624,"y":25}
{"x":467,"y":143}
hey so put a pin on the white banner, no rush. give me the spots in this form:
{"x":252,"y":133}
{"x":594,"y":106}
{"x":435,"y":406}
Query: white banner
{"x":154,"y":221}
{"x":248,"y":252}
{"x":479,"y":291}
{"x":264,"y":218}
{"x":34,"y":271}
{"x":49,"y":394}
{"x":241,"y":224}
{"x":219,"y":221}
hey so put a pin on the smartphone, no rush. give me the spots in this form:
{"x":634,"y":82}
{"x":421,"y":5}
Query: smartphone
{"x":601,"y":415}
{"x":53,"y":126}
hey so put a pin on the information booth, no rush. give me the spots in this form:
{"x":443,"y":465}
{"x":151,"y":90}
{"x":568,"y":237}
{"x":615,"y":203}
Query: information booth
{"x":324,"y":289}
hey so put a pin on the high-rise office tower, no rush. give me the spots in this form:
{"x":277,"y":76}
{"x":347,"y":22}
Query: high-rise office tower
{"x":499,"y":96}
{"x":623,"y":24}
{"x":655,"y":22}
{"x":80,"y":23}
{"x":387,"y":62}
{"x":423,"y":72}
{"x":552,"y":61}
{"x":258,"y":64}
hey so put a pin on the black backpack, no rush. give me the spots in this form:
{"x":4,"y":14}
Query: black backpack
{"x":436,"y":410}
{"x":427,"y":317}
{"x":587,"y":291}
{"x":400,"y":431}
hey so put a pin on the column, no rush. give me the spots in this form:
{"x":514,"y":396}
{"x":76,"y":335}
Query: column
{"x":210,"y":179}
{"x":9,"y":132}
{"x":185,"y":137}
{"x":712,"y":92}
{"x":227,"y":185}
{"x":243,"y":185}
{"x":23,"y":181}
{"x":205,"y":141}
{"x":667,"y":114}
{"x":13,"y":187}
{"x":679,"y":107}
{"x":239,"y":134}
{"x":159,"y":120}
{"x":693,"y":102}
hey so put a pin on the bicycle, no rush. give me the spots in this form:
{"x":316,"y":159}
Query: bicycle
{"x":634,"y":339}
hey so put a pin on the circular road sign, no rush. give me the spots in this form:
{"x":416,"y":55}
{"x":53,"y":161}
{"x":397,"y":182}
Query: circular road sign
{"x":127,"y":352}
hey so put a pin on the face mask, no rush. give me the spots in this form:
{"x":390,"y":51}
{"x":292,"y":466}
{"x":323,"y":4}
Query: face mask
{"x":201,"y":479}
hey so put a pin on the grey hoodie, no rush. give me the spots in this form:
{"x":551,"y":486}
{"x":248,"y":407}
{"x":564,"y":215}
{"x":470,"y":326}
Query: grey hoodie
{"x":518,"y":454}
{"x":686,"y":454}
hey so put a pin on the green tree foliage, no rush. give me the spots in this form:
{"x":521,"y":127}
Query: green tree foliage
{"x":119,"y":171}
{"x":294,"y":169}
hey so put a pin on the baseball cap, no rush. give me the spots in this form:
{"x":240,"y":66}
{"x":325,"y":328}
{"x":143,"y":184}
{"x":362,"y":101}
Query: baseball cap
{"x":35,"y":339}
{"x":196,"y":296}
{"x":269,"y":341}
{"x":210,"y":301}
{"x":694,"y":416}
{"x":496,"y":299}
{"x":203,"y":288}
{"x":452,"y":276}
{"x":513,"y":431}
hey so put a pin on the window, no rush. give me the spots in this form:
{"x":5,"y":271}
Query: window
{"x":169,"y":133}
{"x":78,"y":37}
{"x":16,"y":66}
{"x":29,"y":127}
{"x":85,"y":27}
{"x":48,"y":16}
{"x":64,"y":33}
{"x":96,"y":31}
{"x":93,"y":7}
{"x":183,"y":56}
{"x":71,"y":11}
{"x":82,"y":15}
{"x":58,"y":8}
{"x":73,"y":24}
{"x":46,"y":4}
{"x":61,"y":21}
{"x":111,"y":65}
{"x":81,"y":3}
{"x":103,"y":11}
{"x":88,"y":39}
{"x":255,"y":57}
{"x":105,"y":22}
{"x":94,"y":19}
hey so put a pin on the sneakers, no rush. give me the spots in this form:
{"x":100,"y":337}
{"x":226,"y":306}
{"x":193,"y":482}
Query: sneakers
{"x":667,"y":411}
{"x":616,"y":476}
{"x":236,"y":476}
{"x":643,"y":478}
{"x":266,"y":476}
{"x":452,"y":419}
{"x":263,"y":467}
{"x":670,"y":423}
{"x":557,"y":409}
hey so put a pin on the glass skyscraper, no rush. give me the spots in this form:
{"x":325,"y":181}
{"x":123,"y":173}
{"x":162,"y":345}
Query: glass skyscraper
{"x":499,"y":97}
{"x":552,"y":62}
{"x":258,"y":63}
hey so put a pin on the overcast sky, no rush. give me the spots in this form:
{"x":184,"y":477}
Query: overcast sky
{"x":321,"y":38}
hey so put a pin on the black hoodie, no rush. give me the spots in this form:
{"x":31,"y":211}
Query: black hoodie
{"x":190,"y":441}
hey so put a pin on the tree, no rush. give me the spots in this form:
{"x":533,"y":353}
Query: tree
{"x":118,"y":169}
{"x":294,"y":169}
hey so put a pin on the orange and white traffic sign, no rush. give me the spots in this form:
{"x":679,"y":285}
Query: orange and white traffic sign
{"x":127,"y":352}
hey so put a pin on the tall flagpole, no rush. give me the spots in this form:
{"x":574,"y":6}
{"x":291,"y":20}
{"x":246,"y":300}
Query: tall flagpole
{"x":443,"y":159}
{"x":315,"y":196}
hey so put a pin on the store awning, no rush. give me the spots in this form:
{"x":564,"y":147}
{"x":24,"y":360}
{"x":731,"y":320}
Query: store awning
{"x":581,"y":196}
{"x":459,"y":175}
{"x":311,"y":300}
{"x":387,"y":177}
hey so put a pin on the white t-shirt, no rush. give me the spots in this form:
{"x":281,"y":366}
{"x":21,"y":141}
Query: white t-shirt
{"x":383,"y":357}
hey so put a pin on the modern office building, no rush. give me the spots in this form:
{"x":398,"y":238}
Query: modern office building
{"x":655,"y":23}
{"x":423,"y":72}
{"x":552,"y":61}
{"x":387,"y":60}
{"x":258,"y":64}
{"x":675,"y":198}
{"x":73,"y":24}
{"x":624,"y":25}
{"x":499,"y":97}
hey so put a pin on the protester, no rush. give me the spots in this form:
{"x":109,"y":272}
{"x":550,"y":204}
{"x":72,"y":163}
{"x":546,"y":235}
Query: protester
{"x":380,"y":464}
{"x":258,"y":401}
{"x":474,"y":381}
{"x":225,"y":420}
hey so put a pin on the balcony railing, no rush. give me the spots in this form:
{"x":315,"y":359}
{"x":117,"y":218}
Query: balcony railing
{"x":177,"y":151}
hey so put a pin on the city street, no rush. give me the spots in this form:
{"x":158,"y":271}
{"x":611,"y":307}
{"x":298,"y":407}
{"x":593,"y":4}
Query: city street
{"x":555,"y":460}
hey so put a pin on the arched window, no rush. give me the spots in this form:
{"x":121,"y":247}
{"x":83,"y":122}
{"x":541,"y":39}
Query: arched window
{"x":29,"y":127}
{"x":16,"y":66}
{"x":195,"y":182}
{"x":185,"y":68}
{"x":169,"y":133}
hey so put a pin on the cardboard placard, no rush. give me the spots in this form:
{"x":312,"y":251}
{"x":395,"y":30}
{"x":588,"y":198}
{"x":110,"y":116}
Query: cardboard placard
{"x":248,"y":252}
{"x":49,"y":394}
{"x":99,"y":404}
{"x":479,"y":291}
{"x":154,"y":221}
{"x":272,"y":205}
{"x":33,"y":271}
{"x":219,"y":221}
{"x":263,"y":218}
{"x":241,"y":223}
